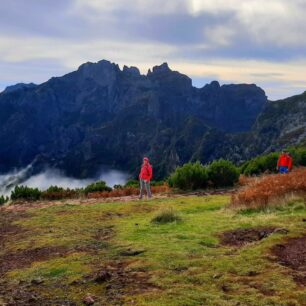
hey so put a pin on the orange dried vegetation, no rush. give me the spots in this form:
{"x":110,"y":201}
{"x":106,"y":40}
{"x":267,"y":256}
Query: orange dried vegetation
{"x":245,"y":180}
{"x":127,"y":191}
{"x":270,"y":189}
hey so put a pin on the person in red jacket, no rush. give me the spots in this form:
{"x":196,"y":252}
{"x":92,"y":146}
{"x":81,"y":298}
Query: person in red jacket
{"x":145,"y":177}
{"x":284,"y":163}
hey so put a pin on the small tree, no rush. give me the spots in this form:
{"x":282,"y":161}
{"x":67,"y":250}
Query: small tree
{"x":190,"y":176}
{"x":3,"y":200}
{"x":99,"y":186}
{"x":261,"y":164}
{"x":223,"y":173}
{"x":25,"y":193}
{"x":299,"y":156}
{"x":132,"y":183}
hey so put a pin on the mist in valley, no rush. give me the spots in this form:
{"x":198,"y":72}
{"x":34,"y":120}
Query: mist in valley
{"x":50,"y":176}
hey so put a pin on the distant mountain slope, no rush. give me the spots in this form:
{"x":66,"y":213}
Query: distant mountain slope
{"x":18,"y":87}
{"x":101,"y":115}
{"x":281,"y":124}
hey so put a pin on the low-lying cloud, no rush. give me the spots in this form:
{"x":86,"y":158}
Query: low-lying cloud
{"x":56,"y":177}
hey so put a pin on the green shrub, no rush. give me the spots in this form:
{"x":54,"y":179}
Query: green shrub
{"x":299,"y":156}
{"x":118,"y":186}
{"x":55,"y":189}
{"x":132,"y":183}
{"x":157,"y":183}
{"x":166,"y":215}
{"x":302,"y":153}
{"x":190,"y":176}
{"x":25,"y":193}
{"x":58,"y":193}
{"x":223,"y":173}
{"x":135,"y":183}
{"x":99,"y":186}
{"x":268,"y":162}
{"x":261,"y":164}
{"x":3,"y":200}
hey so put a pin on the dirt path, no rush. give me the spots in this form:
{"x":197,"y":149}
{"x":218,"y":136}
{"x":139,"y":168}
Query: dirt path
{"x":20,"y":206}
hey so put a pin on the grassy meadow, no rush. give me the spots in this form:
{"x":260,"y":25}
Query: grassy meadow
{"x":115,"y":253}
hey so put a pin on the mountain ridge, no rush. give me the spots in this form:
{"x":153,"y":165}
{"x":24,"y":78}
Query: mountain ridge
{"x":102,"y":115}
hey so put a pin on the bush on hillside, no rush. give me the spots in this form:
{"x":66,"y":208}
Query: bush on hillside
{"x":268,"y":162}
{"x":299,"y":156}
{"x":132,"y":183}
{"x":55,"y":189}
{"x":135,"y":183}
{"x":58,"y":193}
{"x":99,"y":186}
{"x":157,"y":183}
{"x":223,"y":173}
{"x":3,"y":200}
{"x":190,"y":176}
{"x":25,"y":193}
{"x":260,"y":164}
{"x":118,"y":186}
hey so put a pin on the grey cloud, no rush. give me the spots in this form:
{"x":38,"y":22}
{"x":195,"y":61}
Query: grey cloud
{"x":182,"y":29}
{"x":267,"y":75}
{"x":191,"y":36}
{"x":36,"y":71}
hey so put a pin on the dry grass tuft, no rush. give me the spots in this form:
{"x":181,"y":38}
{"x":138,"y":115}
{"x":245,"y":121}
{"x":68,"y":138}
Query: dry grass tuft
{"x":245,"y":180}
{"x":166,"y":215}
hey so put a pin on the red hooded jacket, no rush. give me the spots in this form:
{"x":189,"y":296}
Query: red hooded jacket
{"x":285,"y":161}
{"x":146,"y":172}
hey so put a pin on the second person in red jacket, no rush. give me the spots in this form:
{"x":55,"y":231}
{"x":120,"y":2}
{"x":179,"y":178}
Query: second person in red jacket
{"x":284,"y":163}
{"x":145,"y":177}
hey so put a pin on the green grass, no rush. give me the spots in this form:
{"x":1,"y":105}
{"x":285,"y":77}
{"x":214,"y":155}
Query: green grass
{"x":183,"y":260}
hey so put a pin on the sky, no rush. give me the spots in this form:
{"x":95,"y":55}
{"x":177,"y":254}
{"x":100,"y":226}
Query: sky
{"x":232,"y":41}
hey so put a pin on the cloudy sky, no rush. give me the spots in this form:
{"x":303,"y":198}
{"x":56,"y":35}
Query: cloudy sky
{"x":233,"y":41}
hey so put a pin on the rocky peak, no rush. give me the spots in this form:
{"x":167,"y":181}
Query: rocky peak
{"x":166,"y":77}
{"x":211,"y":87}
{"x":132,"y":71}
{"x":103,"y":72}
{"x":161,"y":68}
{"x":214,"y":85}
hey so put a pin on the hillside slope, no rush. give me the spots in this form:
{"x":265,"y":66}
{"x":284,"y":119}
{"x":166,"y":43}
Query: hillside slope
{"x":281,"y":124}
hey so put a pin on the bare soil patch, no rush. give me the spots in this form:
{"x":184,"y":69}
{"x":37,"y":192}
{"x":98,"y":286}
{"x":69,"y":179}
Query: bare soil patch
{"x":23,"y":294}
{"x":10,"y":231}
{"x":241,"y":237}
{"x":292,"y":254}
{"x":121,"y":280}
{"x":104,"y":233}
{"x":260,"y":287}
{"x":99,"y":240}
{"x":24,"y":258}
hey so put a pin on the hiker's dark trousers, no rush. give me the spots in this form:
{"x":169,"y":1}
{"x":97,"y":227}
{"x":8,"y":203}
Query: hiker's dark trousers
{"x":145,"y":186}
